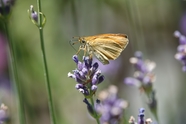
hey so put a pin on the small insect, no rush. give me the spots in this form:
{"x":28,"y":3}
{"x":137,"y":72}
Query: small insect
{"x":104,"y":47}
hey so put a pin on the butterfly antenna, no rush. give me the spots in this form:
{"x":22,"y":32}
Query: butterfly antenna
{"x":71,"y":44}
{"x":75,"y":39}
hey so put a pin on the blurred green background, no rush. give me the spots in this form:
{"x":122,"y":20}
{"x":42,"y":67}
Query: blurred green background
{"x":149,"y":24}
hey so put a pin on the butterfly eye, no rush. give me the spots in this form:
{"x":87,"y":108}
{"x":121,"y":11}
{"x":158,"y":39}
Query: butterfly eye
{"x":83,"y":41}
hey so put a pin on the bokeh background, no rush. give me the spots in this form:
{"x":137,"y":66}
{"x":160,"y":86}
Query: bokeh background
{"x":149,"y":24}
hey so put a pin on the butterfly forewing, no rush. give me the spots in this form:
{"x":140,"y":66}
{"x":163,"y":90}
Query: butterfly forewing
{"x":119,"y":39}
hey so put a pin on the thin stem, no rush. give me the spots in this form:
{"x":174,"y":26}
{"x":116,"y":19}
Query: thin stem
{"x":125,"y":121}
{"x":95,"y":113}
{"x":154,"y":108}
{"x":16,"y":79}
{"x":50,"y":102}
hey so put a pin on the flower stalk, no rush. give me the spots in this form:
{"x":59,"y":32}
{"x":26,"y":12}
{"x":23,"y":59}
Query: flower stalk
{"x":16,"y":79}
{"x":39,"y":19}
{"x":5,"y":19}
{"x":95,"y":113}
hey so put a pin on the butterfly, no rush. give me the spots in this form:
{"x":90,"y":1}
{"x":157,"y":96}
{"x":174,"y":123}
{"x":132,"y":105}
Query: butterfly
{"x":104,"y":47}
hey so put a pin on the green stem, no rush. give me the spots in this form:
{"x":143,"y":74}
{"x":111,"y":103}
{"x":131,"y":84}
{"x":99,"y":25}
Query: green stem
{"x":153,"y":110}
{"x":95,"y":113}
{"x":15,"y":74}
{"x":50,"y":102}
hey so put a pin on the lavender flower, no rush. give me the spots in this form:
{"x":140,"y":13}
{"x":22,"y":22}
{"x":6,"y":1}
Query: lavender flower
{"x":143,"y":79}
{"x":141,"y":118}
{"x":181,"y":49}
{"x":143,"y":76}
{"x":87,"y":76}
{"x":111,"y":108}
{"x":5,"y":6}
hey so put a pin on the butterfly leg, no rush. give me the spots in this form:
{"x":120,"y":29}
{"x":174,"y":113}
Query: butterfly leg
{"x":81,"y":48}
{"x":78,"y":51}
{"x":85,"y":50}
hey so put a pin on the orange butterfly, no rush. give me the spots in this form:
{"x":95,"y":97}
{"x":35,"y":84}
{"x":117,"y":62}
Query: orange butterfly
{"x":105,"y":47}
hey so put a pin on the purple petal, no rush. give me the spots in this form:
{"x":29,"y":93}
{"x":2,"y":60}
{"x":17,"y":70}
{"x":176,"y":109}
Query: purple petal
{"x":94,"y":80}
{"x":75,"y":58}
{"x":101,"y":79}
{"x":78,"y":86}
{"x":181,"y":48}
{"x":177,"y":34}
{"x":131,"y":81}
{"x":182,"y":40}
{"x":85,"y":71}
{"x":71,"y":75}
{"x":95,"y":65}
{"x":94,"y":88}
{"x":138,"y":54}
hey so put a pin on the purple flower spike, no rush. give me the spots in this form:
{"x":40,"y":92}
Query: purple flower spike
{"x":86,"y":75}
{"x":181,"y":49}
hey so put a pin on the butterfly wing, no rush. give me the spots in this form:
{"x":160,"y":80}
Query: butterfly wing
{"x":101,"y":57}
{"x":107,"y":46}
